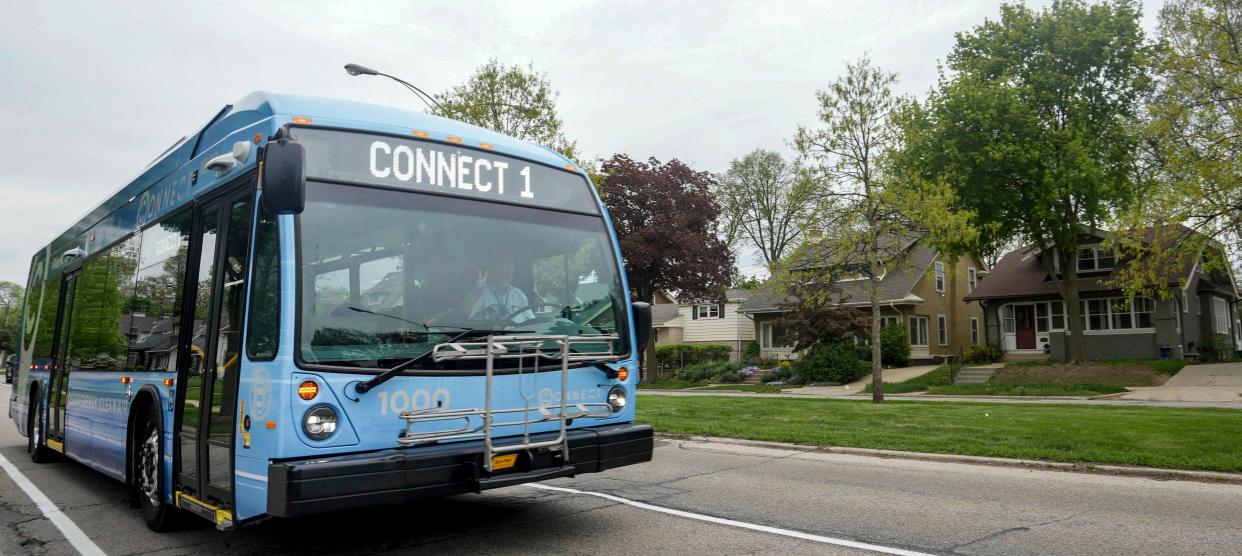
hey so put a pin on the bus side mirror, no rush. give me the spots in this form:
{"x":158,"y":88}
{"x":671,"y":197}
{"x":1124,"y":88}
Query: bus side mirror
{"x":642,"y":325}
{"x":284,"y":185}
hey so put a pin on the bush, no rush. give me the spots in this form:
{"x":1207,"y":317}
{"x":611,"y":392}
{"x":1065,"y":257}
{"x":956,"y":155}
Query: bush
{"x":681,"y":355}
{"x":782,"y":373}
{"x":1216,"y":347}
{"x":894,"y":346}
{"x":702,"y":372}
{"x":983,"y":354}
{"x":831,"y":362}
{"x":752,"y":350}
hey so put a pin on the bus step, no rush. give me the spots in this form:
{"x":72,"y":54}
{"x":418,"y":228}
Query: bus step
{"x":221,"y":517}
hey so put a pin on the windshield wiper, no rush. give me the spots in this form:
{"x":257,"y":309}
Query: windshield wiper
{"x":396,"y":370}
{"x":426,"y":327}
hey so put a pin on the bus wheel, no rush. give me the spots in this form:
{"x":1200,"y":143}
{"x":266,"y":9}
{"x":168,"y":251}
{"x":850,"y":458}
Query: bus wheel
{"x":34,"y":430}
{"x":149,"y":474}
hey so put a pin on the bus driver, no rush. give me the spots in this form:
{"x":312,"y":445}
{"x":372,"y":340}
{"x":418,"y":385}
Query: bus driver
{"x":494,"y":296}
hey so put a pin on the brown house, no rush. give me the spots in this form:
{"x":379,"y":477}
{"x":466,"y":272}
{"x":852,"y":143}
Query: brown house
{"x":924,"y":294}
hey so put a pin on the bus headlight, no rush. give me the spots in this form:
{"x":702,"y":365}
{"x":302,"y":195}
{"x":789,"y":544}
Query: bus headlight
{"x":319,"y":422}
{"x":617,"y":398}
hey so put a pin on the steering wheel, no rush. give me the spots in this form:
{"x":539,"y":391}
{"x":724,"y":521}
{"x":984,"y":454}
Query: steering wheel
{"x":537,"y":319}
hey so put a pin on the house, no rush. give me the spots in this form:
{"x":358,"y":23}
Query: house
{"x":1025,"y":314}
{"x":705,"y":323}
{"x":923,"y":293}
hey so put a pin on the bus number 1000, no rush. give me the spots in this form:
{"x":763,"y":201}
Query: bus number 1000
{"x":397,"y":401}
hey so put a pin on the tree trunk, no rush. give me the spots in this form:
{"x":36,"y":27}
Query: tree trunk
{"x":1067,"y":286}
{"x":877,"y":367}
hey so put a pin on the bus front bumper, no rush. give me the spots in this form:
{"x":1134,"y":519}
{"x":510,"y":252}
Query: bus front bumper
{"x":397,"y":476}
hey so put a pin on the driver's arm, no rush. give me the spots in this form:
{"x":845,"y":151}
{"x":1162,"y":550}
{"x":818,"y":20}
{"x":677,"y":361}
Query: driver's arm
{"x":522,"y":301}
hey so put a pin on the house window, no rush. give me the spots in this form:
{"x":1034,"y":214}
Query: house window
{"x":771,"y":336}
{"x":1220,"y":315}
{"x":1057,"y":308}
{"x":1041,"y":317}
{"x":918,"y":331}
{"x":1118,"y":313}
{"x":972,"y":277}
{"x":942,"y":330}
{"x":707,"y":311}
{"x":1091,"y":259}
{"x":939,"y":276}
{"x":1007,"y":322}
{"x":974,"y":331}
{"x":889,"y":320}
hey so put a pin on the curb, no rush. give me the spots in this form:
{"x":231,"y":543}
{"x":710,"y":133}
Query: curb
{"x":1155,"y":473}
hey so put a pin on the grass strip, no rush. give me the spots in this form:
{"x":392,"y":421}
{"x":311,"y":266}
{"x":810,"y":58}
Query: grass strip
{"x":1177,"y":438}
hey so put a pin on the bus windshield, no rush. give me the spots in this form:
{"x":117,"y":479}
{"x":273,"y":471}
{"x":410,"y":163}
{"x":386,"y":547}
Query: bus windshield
{"x":385,"y":275}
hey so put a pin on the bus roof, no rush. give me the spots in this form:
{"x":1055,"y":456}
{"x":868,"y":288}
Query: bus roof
{"x":177,"y":176}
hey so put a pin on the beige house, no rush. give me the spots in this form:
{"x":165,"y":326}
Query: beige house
{"x":924,"y":295}
{"x":705,"y":323}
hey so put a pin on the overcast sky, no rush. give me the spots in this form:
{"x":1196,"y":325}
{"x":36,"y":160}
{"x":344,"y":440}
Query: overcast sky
{"x":93,"y":91}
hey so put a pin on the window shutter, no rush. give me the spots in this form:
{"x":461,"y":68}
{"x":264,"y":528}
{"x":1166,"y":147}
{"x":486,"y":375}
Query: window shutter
{"x":722,"y":310}
{"x":694,"y":312}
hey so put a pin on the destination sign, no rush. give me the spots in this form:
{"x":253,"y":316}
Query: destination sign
{"x":439,"y":168}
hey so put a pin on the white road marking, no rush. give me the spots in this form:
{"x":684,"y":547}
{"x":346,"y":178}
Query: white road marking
{"x":84,"y":545}
{"x":739,"y":524}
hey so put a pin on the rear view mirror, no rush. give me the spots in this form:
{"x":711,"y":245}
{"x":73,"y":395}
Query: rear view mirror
{"x":642,"y":324}
{"x":284,"y":185}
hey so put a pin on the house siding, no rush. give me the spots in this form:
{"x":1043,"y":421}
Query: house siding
{"x":948,"y":303}
{"x":733,"y":329}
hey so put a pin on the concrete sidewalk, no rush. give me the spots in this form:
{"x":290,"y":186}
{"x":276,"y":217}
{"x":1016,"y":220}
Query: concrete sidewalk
{"x":1217,"y":382}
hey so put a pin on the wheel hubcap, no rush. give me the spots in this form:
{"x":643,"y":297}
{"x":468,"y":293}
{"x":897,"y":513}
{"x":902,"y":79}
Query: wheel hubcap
{"x":148,"y":473}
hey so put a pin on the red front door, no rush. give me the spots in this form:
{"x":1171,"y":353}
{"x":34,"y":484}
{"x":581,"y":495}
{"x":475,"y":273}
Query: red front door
{"x":1024,"y":317}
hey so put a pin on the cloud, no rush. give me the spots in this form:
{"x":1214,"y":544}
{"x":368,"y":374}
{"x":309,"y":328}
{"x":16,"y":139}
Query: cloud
{"x":94,"y":91}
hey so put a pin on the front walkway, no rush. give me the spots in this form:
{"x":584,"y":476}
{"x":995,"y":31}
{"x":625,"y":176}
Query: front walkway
{"x":889,"y":375}
{"x":1217,"y":383}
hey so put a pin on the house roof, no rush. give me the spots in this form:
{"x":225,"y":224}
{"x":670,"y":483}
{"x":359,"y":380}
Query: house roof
{"x":1020,"y":272}
{"x":895,"y":287}
{"x":662,"y":313}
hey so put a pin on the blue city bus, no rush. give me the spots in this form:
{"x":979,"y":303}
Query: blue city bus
{"x":315,"y":305}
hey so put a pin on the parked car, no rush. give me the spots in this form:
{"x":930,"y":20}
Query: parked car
{"x":10,"y":369}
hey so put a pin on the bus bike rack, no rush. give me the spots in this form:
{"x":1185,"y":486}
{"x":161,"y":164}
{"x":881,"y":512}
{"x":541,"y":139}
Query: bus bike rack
{"x":478,"y":423}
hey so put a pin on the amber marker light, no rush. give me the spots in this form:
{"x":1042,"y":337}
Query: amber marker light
{"x":270,"y":424}
{"x":169,"y":382}
{"x":258,"y":137}
{"x":302,"y":120}
{"x":421,"y":134}
{"x":622,"y":374}
{"x":455,"y":140}
{"x":124,"y":380}
{"x":308,"y":390}
{"x":571,"y":167}
{"x":487,"y":146}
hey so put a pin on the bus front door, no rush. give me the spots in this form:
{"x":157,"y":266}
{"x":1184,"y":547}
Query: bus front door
{"x":212,"y":349}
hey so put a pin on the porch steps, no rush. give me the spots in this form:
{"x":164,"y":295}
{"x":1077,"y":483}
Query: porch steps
{"x":974,"y":375}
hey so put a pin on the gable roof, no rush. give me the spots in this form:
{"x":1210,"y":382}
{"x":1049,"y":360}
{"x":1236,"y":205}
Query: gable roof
{"x":1020,"y":272}
{"x":895,"y":286}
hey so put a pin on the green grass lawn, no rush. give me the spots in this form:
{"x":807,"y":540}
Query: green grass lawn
{"x":669,"y":384}
{"x":1178,"y":438}
{"x":939,"y":376}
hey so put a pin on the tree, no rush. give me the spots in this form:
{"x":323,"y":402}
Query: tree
{"x":516,"y":101}
{"x":665,"y":219}
{"x":864,"y":226}
{"x":766,"y":203}
{"x":1035,"y":129}
{"x":11,"y":296}
{"x":1195,"y":130}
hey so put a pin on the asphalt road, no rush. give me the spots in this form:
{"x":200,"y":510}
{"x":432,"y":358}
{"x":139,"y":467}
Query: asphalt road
{"x":780,"y":501}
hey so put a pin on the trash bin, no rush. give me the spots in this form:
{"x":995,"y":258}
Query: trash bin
{"x":1166,"y":352}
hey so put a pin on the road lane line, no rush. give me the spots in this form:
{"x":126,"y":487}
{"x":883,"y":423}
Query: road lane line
{"x":735,"y":523}
{"x":84,"y":545}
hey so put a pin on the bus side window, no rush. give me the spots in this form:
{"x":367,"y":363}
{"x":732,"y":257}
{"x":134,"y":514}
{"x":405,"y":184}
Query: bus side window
{"x":158,"y":291}
{"x":263,"y":331}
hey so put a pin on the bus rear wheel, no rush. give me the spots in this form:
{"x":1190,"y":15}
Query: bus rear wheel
{"x":149,"y":474}
{"x":34,"y":430}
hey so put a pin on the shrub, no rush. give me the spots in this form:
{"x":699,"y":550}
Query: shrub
{"x":782,"y":373}
{"x":717,"y":371}
{"x":1216,"y":347}
{"x":831,"y":362}
{"x":681,"y":355}
{"x":752,"y":350}
{"x":990,"y":353}
{"x":894,"y":346}
{"x":747,"y":372}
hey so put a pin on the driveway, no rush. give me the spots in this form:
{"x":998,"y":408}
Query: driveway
{"x":1217,"y":382}
{"x":890,"y":375}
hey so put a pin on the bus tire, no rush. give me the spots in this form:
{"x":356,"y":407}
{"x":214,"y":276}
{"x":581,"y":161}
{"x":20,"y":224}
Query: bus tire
{"x":149,"y":474}
{"x":34,"y":429}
